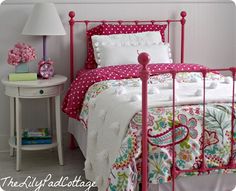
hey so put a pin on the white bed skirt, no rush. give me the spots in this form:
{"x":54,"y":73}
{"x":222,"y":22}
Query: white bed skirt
{"x":77,"y":129}
{"x":195,"y":183}
{"x":200,"y":183}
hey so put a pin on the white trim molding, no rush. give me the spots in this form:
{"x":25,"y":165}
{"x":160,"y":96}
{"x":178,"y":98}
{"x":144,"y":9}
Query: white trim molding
{"x":115,"y":1}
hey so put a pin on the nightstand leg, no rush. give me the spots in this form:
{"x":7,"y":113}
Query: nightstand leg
{"x":58,"y":129}
{"x":50,"y":116}
{"x":18,"y":133}
{"x":12,"y":122}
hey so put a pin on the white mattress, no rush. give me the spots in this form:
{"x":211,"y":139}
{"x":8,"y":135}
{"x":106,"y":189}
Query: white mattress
{"x":200,"y":183}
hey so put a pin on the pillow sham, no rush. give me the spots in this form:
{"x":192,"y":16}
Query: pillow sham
{"x":108,"y":29}
{"x":119,"y":54}
{"x":144,"y":38}
{"x":128,"y":29}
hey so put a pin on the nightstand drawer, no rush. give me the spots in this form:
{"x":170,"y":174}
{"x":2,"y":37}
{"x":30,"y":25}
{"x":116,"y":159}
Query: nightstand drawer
{"x":40,"y":92}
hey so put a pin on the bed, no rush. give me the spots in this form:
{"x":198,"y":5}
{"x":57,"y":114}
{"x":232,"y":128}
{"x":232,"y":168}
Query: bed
{"x":189,"y":105}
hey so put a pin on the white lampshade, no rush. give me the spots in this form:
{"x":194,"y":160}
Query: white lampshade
{"x":44,"y":21}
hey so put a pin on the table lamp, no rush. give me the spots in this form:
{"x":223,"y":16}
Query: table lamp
{"x":44,"y":21}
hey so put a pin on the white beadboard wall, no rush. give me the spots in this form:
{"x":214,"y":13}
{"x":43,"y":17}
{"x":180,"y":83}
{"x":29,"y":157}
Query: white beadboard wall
{"x":210,"y":39}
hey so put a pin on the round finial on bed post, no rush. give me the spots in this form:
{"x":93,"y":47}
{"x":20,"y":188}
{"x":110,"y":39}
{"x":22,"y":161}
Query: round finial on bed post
{"x":183,"y":14}
{"x":144,"y":59}
{"x":72,"y":14}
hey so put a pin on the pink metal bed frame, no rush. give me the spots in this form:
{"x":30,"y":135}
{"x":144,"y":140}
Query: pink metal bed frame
{"x":72,"y":23}
{"x":144,"y":59}
{"x":144,"y":75}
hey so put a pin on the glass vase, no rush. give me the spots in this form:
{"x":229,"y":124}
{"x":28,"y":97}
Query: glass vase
{"x":22,"y":68}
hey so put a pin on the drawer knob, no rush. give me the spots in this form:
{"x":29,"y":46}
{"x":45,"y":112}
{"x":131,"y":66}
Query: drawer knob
{"x":41,"y":91}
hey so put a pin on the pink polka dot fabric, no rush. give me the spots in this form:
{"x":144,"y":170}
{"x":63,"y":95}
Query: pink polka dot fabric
{"x":107,"y":29}
{"x":73,"y":100}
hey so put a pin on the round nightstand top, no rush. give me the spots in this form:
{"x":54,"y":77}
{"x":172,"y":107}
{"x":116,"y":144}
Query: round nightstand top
{"x":56,"y":80}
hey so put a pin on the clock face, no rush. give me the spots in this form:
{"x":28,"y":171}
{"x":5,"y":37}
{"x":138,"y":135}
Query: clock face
{"x":46,"y":70}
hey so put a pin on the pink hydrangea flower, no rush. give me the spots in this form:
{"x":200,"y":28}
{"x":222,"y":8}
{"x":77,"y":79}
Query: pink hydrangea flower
{"x":21,"y":53}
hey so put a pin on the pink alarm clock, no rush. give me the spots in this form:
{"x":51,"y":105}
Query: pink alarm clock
{"x":45,"y":69}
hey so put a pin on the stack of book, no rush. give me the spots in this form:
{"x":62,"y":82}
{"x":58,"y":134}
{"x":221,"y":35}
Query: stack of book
{"x":22,"y":76}
{"x":39,"y":136}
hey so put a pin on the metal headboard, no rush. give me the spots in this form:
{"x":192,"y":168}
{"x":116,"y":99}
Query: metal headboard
{"x":87,"y":23}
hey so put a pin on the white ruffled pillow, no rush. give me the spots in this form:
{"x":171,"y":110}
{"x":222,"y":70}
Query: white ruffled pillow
{"x":120,"y":49}
{"x":128,"y":39}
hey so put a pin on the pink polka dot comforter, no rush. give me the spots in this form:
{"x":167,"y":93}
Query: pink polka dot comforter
{"x":74,"y":98}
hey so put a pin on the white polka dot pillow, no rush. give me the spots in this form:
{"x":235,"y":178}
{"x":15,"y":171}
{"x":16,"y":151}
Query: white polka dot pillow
{"x":128,"y":39}
{"x":125,"y":51}
{"x":108,"y":29}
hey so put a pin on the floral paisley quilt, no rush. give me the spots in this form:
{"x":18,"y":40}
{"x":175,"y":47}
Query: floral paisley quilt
{"x":125,"y":170}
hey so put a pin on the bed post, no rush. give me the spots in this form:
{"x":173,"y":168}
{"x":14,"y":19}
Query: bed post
{"x":232,"y":164}
{"x":183,"y":14}
{"x":72,"y":22}
{"x":173,"y":170}
{"x":144,"y":59}
{"x":203,"y":167}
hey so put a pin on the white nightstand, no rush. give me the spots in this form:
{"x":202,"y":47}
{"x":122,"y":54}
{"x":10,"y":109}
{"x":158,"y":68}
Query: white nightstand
{"x":50,"y":89}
